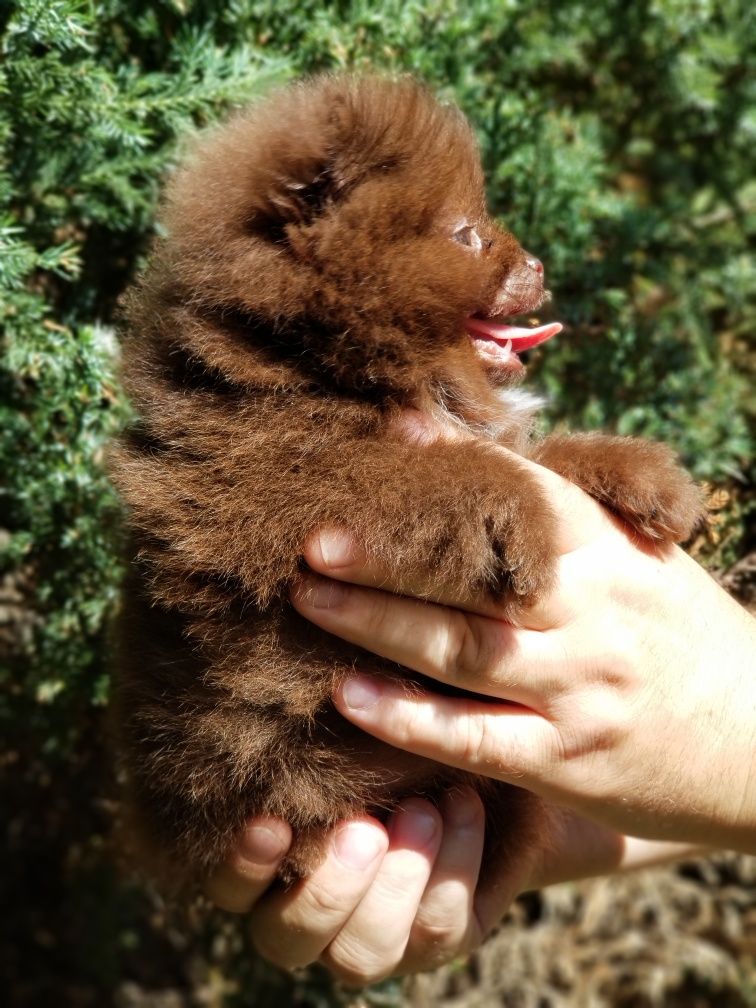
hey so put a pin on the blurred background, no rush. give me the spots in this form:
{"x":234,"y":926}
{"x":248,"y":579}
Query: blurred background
{"x":619,"y":141}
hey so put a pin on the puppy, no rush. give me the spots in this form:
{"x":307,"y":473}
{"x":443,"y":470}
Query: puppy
{"x":329,"y":266}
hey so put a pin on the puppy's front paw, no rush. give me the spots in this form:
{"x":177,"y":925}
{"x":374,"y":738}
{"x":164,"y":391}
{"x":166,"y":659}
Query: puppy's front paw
{"x":640,"y":481}
{"x":521,"y":539}
{"x":668,"y":509}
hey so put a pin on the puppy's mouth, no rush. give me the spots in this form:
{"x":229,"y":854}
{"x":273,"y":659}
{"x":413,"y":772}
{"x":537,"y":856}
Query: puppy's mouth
{"x":498,"y":343}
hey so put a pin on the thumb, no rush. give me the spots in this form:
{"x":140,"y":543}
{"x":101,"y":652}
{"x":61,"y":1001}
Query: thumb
{"x":579,"y":518}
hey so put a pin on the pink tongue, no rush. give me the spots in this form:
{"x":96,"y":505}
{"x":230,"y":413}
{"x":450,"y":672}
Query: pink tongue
{"x":522,"y":338}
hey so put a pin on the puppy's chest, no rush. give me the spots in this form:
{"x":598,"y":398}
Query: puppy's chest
{"x":509,"y":421}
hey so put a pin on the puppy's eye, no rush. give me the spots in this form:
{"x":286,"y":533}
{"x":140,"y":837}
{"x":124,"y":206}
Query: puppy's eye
{"x":469,"y":237}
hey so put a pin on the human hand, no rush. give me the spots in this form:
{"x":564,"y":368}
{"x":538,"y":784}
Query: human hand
{"x":406,"y":899}
{"x":627,"y":694}
{"x":383,"y":900}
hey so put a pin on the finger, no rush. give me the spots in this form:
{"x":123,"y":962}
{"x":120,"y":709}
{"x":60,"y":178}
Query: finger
{"x":497,"y":740}
{"x":466,"y":650}
{"x":580,"y":518}
{"x":445,"y":924}
{"x":423,"y":429}
{"x":292,"y":928}
{"x":240,"y":882}
{"x":372,"y":943}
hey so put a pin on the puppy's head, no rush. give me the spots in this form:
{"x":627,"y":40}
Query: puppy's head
{"x":347,"y":216}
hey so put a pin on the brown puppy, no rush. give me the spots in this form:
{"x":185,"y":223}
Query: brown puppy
{"x":329,"y":265}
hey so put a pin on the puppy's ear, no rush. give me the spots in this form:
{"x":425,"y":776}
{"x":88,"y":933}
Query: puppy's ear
{"x":291,"y":200}
{"x":296,"y":198}
{"x":298,"y":202}
{"x":348,"y":144}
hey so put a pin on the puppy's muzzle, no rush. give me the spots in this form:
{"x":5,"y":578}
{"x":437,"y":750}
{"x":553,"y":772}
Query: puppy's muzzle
{"x":522,"y":289}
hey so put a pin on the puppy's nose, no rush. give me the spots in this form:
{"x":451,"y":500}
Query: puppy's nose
{"x":535,"y":264}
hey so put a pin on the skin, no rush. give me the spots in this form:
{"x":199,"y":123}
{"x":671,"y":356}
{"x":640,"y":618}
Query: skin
{"x":624,"y":698}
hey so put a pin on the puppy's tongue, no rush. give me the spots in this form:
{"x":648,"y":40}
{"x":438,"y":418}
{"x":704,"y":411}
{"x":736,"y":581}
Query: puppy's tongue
{"x":522,"y":338}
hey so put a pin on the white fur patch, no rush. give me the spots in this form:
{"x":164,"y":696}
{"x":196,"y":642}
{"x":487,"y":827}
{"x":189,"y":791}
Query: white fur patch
{"x":518,"y":410}
{"x":521,"y":403}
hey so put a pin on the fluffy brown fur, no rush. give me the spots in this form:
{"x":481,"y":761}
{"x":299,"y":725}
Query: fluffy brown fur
{"x":312,"y":286}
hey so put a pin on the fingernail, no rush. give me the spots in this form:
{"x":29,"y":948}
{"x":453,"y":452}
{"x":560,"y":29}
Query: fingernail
{"x":261,"y":845}
{"x":360,"y":693}
{"x":336,"y":548}
{"x":461,"y":808}
{"x":413,"y":826}
{"x":358,"y":845}
{"x":321,"y":593}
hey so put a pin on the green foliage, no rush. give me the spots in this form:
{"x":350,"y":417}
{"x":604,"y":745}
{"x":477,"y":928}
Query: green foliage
{"x":618,"y":140}
{"x":92,"y":116}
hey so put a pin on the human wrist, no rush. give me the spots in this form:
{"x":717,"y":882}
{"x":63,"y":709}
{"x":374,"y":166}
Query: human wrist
{"x":581,"y":849}
{"x":576,"y":848}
